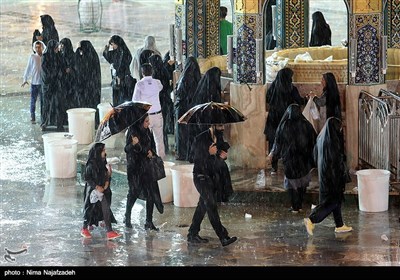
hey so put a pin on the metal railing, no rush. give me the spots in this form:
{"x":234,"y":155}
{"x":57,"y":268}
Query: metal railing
{"x":379,"y":131}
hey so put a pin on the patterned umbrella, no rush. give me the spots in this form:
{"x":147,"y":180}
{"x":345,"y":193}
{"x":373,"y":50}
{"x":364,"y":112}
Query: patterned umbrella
{"x":120,"y":117}
{"x":212,"y":113}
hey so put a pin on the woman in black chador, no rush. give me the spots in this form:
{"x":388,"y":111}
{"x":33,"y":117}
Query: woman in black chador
{"x":119,"y":56}
{"x":332,"y":176}
{"x":320,"y":32}
{"x":140,"y":148}
{"x":97,"y":194}
{"x":186,"y":86}
{"x":280,"y":95}
{"x":328,"y":103}
{"x":68,"y":73}
{"x":49,"y":31}
{"x":208,"y":89}
{"x":294,"y":142}
{"x":167,"y":106}
{"x":53,"y":101}
{"x":88,"y":77}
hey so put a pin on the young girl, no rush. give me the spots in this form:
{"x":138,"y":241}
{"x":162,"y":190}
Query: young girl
{"x":98,"y":193}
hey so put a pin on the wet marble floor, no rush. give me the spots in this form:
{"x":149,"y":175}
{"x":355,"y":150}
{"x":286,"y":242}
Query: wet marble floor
{"x":41,"y":216}
{"x":44,"y":215}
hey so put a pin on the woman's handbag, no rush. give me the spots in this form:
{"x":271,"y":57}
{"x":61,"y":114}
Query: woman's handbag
{"x":156,"y":165}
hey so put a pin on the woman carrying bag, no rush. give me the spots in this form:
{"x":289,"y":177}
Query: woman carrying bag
{"x":140,"y":149}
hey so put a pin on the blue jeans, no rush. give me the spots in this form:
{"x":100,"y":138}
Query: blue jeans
{"x":36,"y":90}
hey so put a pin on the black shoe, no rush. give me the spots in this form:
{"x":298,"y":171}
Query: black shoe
{"x":228,"y":240}
{"x":196,"y":239}
{"x":294,"y":211}
{"x":150,"y":226}
{"x":43,"y":127}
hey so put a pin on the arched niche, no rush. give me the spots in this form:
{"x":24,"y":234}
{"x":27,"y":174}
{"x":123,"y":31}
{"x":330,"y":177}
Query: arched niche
{"x":293,"y":21}
{"x":336,"y":15}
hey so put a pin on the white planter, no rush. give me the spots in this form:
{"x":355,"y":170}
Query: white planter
{"x":47,"y":138}
{"x":373,"y":190}
{"x":62,"y":158}
{"x":184,"y":192}
{"x":165,"y":184}
{"x":81,"y":124}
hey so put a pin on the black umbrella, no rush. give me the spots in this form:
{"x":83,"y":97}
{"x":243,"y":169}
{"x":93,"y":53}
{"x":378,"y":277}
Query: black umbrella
{"x":121,"y":117}
{"x":212,"y":113}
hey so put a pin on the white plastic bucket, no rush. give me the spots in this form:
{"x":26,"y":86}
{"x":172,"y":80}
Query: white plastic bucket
{"x":62,"y":158}
{"x":51,"y":137}
{"x":165,"y":184}
{"x":81,"y":123}
{"x":184,"y":192}
{"x":373,"y":190}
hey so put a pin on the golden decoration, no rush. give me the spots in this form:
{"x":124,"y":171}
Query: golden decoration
{"x":367,"y":6}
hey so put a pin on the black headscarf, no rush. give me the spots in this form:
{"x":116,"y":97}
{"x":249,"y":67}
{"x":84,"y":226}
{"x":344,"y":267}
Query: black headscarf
{"x":51,"y":84}
{"x":121,"y":58}
{"x":170,"y":68}
{"x":95,"y":174}
{"x":294,"y":143}
{"x":67,"y":51}
{"x":187,"y":84}
{"x":209,"y":87}
{"x":333,"y":108}
{"x":87,"y":67}
{"x":49,"y":30}
{"x":96,"y":166}
{"x":159,"y":71}
{"x":320,"y":32}
{"x":50,"y":64}
{"x":330,"y":158}
{"x":280,"y":95}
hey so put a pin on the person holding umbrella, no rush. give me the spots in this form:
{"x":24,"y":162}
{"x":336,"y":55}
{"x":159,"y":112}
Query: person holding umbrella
{"x":140,"y":148}
{"x":204,"y":155}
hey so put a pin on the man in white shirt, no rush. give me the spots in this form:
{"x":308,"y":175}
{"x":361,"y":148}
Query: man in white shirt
{"x":32,"y":70}
{"x":148,"y":90}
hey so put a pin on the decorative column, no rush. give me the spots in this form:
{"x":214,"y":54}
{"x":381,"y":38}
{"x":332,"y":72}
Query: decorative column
{"x":247,"y":27}
{"x":199,"y":21}
{"x":247,"y":92}
{"x":366,"y":34}
{"x":291,"y":23}
{"x":367,"y":63}
{"x":393,"y":23}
